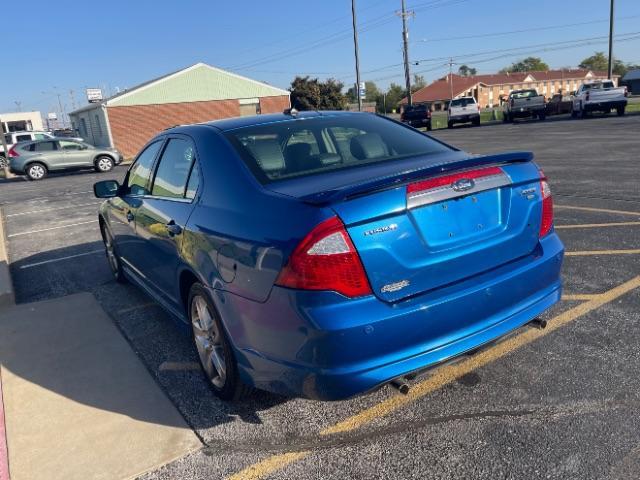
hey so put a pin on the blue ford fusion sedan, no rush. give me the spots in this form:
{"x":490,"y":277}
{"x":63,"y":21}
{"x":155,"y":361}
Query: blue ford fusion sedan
{"x":324,"y":254}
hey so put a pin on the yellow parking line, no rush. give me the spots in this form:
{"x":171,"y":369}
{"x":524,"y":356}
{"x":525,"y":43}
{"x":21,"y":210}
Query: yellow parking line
{"x":602,"y":210}
{"x":440,"y":377}
{"x":602,"y":252}
{"x":585,"y":296}
{"x":597,"y":225}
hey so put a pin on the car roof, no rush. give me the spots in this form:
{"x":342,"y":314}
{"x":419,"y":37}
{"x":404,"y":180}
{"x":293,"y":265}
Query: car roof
{"x":254,"y":120}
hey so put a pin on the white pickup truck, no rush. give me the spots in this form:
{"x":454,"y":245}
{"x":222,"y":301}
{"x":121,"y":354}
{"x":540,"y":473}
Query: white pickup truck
{"x":601,"y":96}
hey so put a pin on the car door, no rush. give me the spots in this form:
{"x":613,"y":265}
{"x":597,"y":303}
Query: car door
{"x":76,"y":154}
{"x":137,"y":184}
{"x":49,"y":153}
{"x":162,"y":215}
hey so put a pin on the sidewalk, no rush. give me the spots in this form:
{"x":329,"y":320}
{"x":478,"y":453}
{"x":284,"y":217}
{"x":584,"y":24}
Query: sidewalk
{"x":78,"y":403}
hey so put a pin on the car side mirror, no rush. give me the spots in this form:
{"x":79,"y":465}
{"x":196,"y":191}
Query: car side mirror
{"x":106,"y":189}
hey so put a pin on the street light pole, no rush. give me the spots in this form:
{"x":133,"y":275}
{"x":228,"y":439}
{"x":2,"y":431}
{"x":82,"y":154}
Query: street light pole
{"x":355,"y":48}
{"x":610,"y":69}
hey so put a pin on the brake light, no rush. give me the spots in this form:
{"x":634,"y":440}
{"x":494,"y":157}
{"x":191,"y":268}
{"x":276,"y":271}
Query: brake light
{"x":326,"y":259}
{"x":547,"y":206}
{"x":450,"y":179}
{"x":13,"y":153}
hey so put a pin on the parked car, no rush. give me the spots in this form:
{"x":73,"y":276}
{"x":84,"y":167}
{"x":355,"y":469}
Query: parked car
{"x":13,"y":138}
{"x":417,"y":115}
{"x":524,"y":103}
{"x":559,"y":104}
{"x":36,"y":159}
{"x":327,"y":254}
{"x":463,"y":110}
{"x":599,"y":96}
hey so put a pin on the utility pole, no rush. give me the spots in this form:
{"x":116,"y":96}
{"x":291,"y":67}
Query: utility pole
{"x":73,"y":99}
{"x":355,"y":47}
{"x":405,"y":41}
{"x":610,"y":70}
{"x":18,"y":105}
{"x":451,"y":77}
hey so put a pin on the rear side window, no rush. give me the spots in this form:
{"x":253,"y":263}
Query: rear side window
{"x":194,"y":182}
{"x":326,"y":144}
{"x":67,"y":145}
{"x":140,"y":173}
{"x":23,"y":138}
{"x":45,"y":146}
{"x":174,"y":168}
{"x":40,"y":136}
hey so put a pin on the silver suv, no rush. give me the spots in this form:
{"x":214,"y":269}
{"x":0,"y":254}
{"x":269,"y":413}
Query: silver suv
{"x":36,"y":159}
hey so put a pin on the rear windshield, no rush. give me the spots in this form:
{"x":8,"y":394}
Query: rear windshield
{"x":309,"y":146}
{"x":415,"y":108}
{"x":462,"y":102}
{"x":524,"y":94}
{"x":598,"y":86}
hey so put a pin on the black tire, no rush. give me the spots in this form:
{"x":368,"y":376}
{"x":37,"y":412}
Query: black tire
{"x":227,"y":386}
{"x":449,"y":125}
{"x":476,"y":122}
{"x":429,"y":127}
{"x":620,"y":111}
{"x":110,"y":249}
{"x":542,"y":117}
{"x":36,"y":171}
{"x":3,"y":161}
{"x":103,"y":164}
{"x":574,"y":113}
{"x":505,"y":119}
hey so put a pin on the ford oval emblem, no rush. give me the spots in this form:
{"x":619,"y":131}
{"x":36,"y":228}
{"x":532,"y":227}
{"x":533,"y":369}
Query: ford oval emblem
{"x":463,"y":184}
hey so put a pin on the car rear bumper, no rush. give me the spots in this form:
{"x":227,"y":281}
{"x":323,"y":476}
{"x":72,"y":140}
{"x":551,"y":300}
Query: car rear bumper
{"x":321,"y":345}
{"x":464,"y":118}
{"x":604,"y":106}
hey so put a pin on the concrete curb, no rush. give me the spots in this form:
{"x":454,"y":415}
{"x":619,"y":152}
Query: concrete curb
{"x":4,"y":452}
{"x":7,"y":296}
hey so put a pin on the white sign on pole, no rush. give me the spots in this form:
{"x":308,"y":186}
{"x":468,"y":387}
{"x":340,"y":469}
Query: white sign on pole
{"x":52,"y":116}
{"x":94,"y":95}
{"x":362,"y":89}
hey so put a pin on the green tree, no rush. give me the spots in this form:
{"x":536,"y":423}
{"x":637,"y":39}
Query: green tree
{"x":312,"y":94}
{"x":529,"y":64}
{"x":395,"y":93}
{"x":600,"y":62}
{"x":466,"y":71}
{"x":418,"y":83}
{"x":371,"y":93}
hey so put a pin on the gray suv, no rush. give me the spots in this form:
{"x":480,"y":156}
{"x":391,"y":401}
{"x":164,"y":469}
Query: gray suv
{"x":36,"y":159}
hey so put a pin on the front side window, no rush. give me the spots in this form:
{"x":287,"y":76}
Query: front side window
{"x":173,"y":169}
{"x":462,"y":102}
{"x":326,"y":144}
{"x":140,"y":173}
{"x":70,"y":146}
{"x":40,"y":136}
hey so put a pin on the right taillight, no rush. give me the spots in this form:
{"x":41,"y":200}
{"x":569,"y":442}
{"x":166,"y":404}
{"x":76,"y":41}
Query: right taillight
{"x":13,"y":153}
{"x":547,"y":206}
{"x":326,"y":259}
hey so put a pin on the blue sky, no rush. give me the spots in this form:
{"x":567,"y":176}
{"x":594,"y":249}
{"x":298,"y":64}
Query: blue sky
{"x":119,"y":43}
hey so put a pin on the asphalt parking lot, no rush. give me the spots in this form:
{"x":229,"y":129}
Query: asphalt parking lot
{"x":555,"y":403}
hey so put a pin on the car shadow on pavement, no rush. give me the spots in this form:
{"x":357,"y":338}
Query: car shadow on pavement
{"x":156,"y":337}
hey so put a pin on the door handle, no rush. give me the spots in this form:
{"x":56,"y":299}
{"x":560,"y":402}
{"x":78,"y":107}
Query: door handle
{"x":173,"y":228}
{"x":130,"y":217}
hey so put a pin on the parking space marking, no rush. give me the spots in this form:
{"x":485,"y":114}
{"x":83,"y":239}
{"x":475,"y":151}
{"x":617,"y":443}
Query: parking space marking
{"x":601,"y":210}
{"x":50,"y":228}
{"x":440,"y":377}
{"x":580,"y":296}
{"x":597,"y":225}
{"x":178,"y":366}
{"x":60,"y":259}
{"x":51,"y":209}
{"x":602,"y":252}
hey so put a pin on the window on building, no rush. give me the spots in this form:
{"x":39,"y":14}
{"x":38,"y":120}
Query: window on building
{"x":174,"y":168}
{"x":138,"y":181}
{"x":98,"y":126}
{"x":83,"y":127}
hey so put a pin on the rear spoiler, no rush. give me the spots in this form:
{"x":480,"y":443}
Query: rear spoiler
{"x":392,"y":181}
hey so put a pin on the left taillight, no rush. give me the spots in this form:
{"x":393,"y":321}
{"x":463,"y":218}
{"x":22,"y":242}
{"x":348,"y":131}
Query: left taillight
{"x":13,"y":153}
{"x":326,"y":259}
{"x":547,"y":206}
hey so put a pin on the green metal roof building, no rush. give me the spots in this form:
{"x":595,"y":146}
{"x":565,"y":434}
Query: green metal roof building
{"x":198,"y":93}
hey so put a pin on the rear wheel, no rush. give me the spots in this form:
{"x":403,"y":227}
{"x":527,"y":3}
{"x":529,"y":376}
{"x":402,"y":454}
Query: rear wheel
{"x":542,"y":117}
{"x":112,"y":256}
{"x":213,"y":348}
{"x":449,"y":124}
{"x":429,"y":127}
{"x":476,"y":122}
{"x":620,"y":111}
{"x":3,"y":161}
{"x":104,"y":164}
{"x":36,"y":171}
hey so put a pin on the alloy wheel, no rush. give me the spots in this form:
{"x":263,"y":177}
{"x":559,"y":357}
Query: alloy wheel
{"x":105,"y":164}
{"x":37,"y":172}
{"x":209,"y":342}
{"x":111,"y":255}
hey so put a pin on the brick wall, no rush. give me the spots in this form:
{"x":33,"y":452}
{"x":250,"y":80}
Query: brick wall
{"x":133,"y":126}
{"x":274,"y":104}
